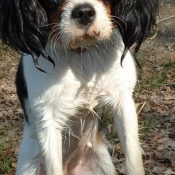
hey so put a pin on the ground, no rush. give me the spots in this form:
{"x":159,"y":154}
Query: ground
{"x":154,"y":97}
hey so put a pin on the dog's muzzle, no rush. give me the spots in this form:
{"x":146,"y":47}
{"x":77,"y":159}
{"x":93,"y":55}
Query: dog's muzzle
{"x":85,"y":28}
{"x":84,"y":16}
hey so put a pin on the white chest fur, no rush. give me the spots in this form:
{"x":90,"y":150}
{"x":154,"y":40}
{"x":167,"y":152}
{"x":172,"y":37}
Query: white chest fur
{"x":80,"y":80}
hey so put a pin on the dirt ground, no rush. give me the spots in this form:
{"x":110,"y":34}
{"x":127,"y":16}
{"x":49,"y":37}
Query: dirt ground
{"x":154,"y":97}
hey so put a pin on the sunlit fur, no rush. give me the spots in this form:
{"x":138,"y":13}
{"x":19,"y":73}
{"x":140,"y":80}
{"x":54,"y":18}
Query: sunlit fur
{"x":84,"y":72}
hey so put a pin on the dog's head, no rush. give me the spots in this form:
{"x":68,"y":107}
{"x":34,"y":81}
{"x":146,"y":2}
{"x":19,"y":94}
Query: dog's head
{"x":81,"y":23}
{"x":27,"y":25}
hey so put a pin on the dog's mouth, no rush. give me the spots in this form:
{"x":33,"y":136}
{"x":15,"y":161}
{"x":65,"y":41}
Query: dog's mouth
{"x":79,"y":50}
{"x":82,"y":44}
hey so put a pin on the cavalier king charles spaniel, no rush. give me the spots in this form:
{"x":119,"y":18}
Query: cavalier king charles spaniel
{"x":76,"y":61}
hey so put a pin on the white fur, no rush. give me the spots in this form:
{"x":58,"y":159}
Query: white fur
{"x":68,"y":26}
{"x":79,"y":81}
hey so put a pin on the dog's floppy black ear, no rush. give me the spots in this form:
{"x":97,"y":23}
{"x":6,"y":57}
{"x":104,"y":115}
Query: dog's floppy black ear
{"x":21,"y":26}
{"x":135,"y":18}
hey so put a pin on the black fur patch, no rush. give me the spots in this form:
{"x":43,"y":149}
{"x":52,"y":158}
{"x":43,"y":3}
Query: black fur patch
{"x":134,"y":18}
{"x":22,"y":26}
{"x":21,"y":88}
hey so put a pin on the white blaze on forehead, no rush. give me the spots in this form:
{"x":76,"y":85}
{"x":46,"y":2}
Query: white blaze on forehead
{"x":102,"y":22}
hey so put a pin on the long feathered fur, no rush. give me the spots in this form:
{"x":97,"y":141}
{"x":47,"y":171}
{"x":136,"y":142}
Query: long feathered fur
{"x":24,"y":24}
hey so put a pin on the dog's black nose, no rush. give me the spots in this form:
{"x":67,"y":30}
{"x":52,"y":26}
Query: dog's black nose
{"x":84,"y":14}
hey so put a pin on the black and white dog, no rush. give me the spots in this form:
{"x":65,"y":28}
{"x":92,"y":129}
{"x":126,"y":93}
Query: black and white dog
{"x":81,"y":64}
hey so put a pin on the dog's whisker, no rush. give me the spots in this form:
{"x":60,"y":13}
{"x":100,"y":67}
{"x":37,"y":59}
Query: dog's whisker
{"x":64,"y":136}
{"x":53,"y":36}
{"x":68,"y":140}
{"x":73,"y":134}
{"x":90,"y":61}
{"x":45,"y":25}
{"x":116,"y":17}
{"x":82,"y":121}
{"x":50,"y":34}
{"x":119,"y":25}
{"x":57,"y":39}
{"x":52,"y":47}
{"x":111,"y":42}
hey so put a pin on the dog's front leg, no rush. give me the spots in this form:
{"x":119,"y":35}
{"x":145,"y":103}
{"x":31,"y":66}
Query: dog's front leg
{"x":48,"y":134}
{"x":125,"y":119}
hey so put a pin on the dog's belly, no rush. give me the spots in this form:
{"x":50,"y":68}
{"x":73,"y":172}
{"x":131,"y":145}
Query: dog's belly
{"x":80,"y":139}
